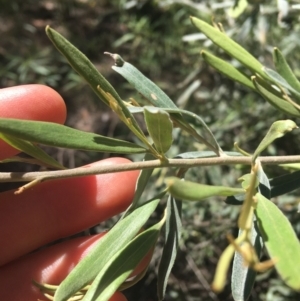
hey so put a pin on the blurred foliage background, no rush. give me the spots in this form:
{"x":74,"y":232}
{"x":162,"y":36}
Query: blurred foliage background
{"x":158,"y":38}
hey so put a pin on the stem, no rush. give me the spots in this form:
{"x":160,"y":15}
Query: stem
{"x":180,"y":163}
{"x":288,"y":99}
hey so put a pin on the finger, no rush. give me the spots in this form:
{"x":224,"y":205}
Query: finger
{"x":60,"y":208}
{"x":50,"y":265}
{"x":30,"y":102}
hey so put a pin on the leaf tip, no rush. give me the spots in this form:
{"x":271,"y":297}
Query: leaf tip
{"x":192,"y":18}
{"x":47,"y":29}
{"x":117,"y":58}
{"x":217,"y":288}
{"x":170,"y":181}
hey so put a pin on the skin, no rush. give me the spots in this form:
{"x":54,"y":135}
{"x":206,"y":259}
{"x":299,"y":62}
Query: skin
{"x":79,"y":204}
{"x":39,"y":216}
{"x":30,"y":102}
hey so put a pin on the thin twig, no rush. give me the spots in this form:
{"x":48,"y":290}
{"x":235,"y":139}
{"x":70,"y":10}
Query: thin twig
{"x":198,"y":273}
{"x":200,"y":277}
{"x":180,"y":163}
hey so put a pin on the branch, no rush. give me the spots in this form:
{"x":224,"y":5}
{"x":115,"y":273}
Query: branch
{"x":180,"y":163}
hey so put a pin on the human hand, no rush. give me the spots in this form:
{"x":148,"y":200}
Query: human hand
{"x":51,"y":210}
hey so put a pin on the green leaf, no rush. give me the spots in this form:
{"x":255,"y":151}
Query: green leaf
{"x":182,"y":112}
{"x":235,"y":199}
{"x":285,"y":184}
{"x":277,"y":130}
{"x":57,"y":135}
{"x":238,"y":8}
{"x":264,"y":186}
{"x":160,"y":127}
{"x":172,"y":236}
{"x":273,"y":97}
{"x":83,"y":66}
{"x":141,"y":183}
{"x":88,"y":268}
{"x":284,"y":69}
{"x":31,"y":149}
{"x":203,"y":154}
{"x":24,"y":160}
{"x":212,"y":144}
{"x":278,"y":79}
{"x":159,"y":99}
{"x":280,"y":240}
{"x":190,"y":191}
{"x":246,"y":181}
{"x":227,"y":69}
{"x":291,"y":166}
{"x":121,"y":265}
{"x":229,"y":46}
{"x":141,"y":83}
{"x":242,"y":277}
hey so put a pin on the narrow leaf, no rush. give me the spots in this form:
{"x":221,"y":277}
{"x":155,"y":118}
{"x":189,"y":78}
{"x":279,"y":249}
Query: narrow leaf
{"x":141,"y":183}
{"x":285,"y":184}
{"x":235,"y":199}
{"x":242,"y":277}
{"x":103,"y":89}
{"x":31,"y":149}
{"x":24,"y":160}
{"x":190,"y":191}
{"x":277,"y":130}
{"x":159,"y":99}
{"x":229,"y":46}
{"x":121,"y":265}
{"x":177,"y":119}
{"x":159,"y":127}
{"x":227,"y":69}
{"x":271,"y":96}
{"x":264,"y":186}
{"x":284,"y":69}
{"x":280,"y":240}
{"x":291,"y":166}
{"x":238,"y":8}
{"x":81,"y":64}
{"x":141,"y":83}
{"x":247,"y":180}
{"x":203,"y":154}
{"x":278,"y":79}
{"x":87,"y":269}
{"x":57,"y":135}
{"x":172,"y":236}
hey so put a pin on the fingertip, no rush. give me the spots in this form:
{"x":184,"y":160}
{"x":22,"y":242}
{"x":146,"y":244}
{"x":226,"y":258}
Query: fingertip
{"x":50,"y":265}
{"x":30,"y":102}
